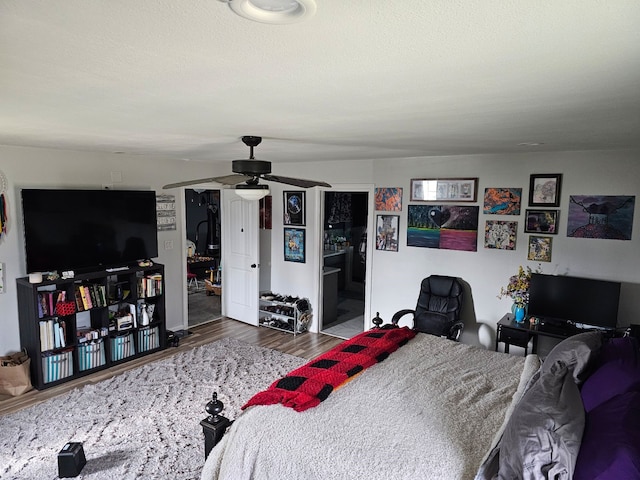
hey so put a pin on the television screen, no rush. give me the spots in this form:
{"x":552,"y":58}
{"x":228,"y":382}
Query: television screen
{"x":580,"y":300}
{"x":85,"y":229}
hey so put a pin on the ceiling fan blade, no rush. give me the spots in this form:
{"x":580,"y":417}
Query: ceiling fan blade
{"x":298,"y":182}
{"x":225,"y":180}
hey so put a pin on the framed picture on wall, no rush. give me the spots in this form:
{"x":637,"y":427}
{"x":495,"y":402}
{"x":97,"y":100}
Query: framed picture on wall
{"x":449,"y":189}
{"x":544,"y":190}
{"x":539,"y":248}
{"x":387,"y":228}
{"x":541,"y":221}
{"x":294,"y":206}
{"x":294,"y":245}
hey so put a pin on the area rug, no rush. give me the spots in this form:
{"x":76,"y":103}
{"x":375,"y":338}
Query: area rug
{"x":144,"y":423}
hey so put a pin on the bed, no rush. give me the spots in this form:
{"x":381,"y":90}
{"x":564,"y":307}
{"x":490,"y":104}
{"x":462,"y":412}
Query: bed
{"x":439,"y":409}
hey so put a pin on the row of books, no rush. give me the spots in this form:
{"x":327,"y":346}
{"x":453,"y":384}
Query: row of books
{"x":148,"y":339}
{"x":56,"y":366}
{"x":91,"y":355}
{"x":150,"y":285}
{"x":90,"y":334}
{"x":122,"y":347}
{"x":53,"y":334}
{"x":90,"y":296}
{"x":47,"y":301}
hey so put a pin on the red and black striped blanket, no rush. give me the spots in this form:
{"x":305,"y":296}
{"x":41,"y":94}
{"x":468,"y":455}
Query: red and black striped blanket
{"x":307,"y":386}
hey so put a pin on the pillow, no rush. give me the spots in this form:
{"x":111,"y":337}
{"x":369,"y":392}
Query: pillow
{"x":542,"y":437}
{"x":576,"y":353}
{"x":617,"y":372}
{"x":611,"y":442}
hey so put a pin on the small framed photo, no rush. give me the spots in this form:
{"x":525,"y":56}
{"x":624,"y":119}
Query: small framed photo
{"x":544,"y":190}
{"x":387,"y":228}
{"x":294,"y":206}
{"x":539,"y":248}
{"x":541,"y":221}
{"x":448,"y":189}
{"x":294,"y":245}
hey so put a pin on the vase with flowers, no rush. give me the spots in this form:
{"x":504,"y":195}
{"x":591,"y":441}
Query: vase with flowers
{"x":518,"y":290}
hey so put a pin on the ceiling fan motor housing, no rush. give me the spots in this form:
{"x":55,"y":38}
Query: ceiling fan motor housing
{"x":253,"y":168}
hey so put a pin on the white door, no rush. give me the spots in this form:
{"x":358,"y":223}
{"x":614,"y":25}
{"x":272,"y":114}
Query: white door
{"x":240,"y":258}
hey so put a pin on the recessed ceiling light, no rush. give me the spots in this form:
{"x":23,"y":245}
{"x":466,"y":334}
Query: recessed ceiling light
{"x":274,"y":11}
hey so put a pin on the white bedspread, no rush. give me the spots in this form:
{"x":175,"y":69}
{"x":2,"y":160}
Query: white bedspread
{"x":429,"y":411}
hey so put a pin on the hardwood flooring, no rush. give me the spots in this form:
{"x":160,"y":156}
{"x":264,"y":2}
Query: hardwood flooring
{"x":307,"y":345}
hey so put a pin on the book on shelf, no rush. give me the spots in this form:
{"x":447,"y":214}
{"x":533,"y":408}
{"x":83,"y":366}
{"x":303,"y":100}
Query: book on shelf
{"x":47,"y":301}
{"x":150,"y":286}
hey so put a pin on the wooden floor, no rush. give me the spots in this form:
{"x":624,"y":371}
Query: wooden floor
{"x":306,"y":345}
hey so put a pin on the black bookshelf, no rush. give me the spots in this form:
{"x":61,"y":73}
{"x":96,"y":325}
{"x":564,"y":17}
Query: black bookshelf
{"x":72,"y":327}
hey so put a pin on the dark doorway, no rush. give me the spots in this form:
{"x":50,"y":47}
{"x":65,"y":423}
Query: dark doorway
{"x":203,"y":255}
{"x":344,"y":266}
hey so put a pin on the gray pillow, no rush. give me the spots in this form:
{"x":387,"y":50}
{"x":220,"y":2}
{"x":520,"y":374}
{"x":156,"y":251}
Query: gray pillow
{"x":542,"y":437}
{"x":576,"y":353}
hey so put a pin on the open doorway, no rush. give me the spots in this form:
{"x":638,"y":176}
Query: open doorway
{"x":344,"y":263}
{"x":203,"y":255}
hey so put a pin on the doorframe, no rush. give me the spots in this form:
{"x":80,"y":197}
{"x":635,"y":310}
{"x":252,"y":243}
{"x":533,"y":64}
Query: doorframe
{"x":368,"y":188}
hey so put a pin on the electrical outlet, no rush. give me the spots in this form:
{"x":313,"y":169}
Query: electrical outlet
{"x":168,"y":244}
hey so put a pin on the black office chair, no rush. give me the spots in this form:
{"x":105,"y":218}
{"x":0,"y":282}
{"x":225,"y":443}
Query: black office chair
{"x":438,"y":308}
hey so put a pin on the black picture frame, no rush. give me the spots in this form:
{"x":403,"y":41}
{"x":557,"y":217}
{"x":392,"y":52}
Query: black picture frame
{"x":541,"y":221}
{"x":294,"y":245}
{"x":544,"y":189}
{"x":387,"y":232}
{"x":294,"y":208}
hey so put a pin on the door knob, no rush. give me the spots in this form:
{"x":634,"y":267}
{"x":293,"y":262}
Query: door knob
{"x":253,"y":265}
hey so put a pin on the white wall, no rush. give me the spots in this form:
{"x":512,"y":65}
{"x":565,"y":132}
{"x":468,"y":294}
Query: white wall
{"x":395,"y":277}
{"x":45,"y":168}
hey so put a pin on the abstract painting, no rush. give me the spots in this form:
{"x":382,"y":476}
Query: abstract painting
{"x":539,"y":249}
{"x":450,"y":227}
{"x":502,"y":201}
{"x":500,"y":234}
{"x":601,"y":216}
{"x":388,"y":199}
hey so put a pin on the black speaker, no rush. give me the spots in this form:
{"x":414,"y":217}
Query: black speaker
{"x":71,"y":460}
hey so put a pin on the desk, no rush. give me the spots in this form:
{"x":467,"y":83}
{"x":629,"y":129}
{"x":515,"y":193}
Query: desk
{"x":519,"y":334}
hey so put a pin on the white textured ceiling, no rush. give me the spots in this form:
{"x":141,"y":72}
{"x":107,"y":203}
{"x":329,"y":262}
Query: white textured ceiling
{"x":360,"y":80}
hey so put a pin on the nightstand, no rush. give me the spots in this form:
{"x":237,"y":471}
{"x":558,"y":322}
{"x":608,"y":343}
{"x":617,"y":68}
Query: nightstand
{"x":511,"y":333}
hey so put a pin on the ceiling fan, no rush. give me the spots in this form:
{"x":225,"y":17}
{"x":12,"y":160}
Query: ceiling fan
{"x":247,"y":174}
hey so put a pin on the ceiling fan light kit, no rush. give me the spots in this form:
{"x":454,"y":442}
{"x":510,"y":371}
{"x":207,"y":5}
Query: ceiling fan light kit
{"x":252,"y":192}
{"x":278,"y":12}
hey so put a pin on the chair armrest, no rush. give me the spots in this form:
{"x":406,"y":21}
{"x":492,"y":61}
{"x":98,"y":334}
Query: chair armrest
{"x":399,"y":314}
{"x":456,"y":331}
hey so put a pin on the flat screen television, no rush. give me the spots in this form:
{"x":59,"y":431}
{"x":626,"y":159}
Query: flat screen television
{"x":81,"y":230}
{"x":580,"y":300}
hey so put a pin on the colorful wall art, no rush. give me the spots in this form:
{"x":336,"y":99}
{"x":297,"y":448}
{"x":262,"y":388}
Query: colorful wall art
{"x":388,"y":199}
{"x":601,"y":216}
{"x":294,"y":245}
{"x":387,"y":232}
{"x":539,"y":248}
{"x":450,"y":227}
{"x":502,"y":201}
{"x":500,"y":234}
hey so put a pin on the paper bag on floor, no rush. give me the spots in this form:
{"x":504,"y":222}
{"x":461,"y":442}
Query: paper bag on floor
{"x":15,"y":378}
